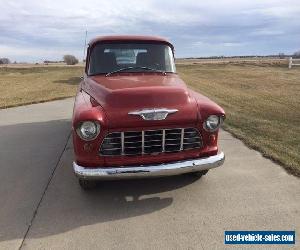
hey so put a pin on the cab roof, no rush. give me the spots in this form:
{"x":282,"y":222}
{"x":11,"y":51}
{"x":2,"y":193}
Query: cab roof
{"x":129,"y":38}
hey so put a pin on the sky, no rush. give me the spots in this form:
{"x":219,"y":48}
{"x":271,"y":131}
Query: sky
{"x":35,"y":31}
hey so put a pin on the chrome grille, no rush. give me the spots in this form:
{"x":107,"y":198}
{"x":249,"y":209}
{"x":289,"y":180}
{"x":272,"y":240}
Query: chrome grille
{"x":150,"y":141}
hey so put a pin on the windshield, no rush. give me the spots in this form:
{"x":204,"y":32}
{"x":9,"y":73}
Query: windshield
{"x":131,"y":57}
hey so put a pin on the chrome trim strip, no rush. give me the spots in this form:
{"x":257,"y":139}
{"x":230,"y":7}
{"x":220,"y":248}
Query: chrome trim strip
{"x":163,"y":140}
{"x":181,"y":139}
{"x":122,"y":143}
{"x":148,"y":111}
{"x":144,"y":112}
{"x":166,"y":169}
{"x":143,"y":142}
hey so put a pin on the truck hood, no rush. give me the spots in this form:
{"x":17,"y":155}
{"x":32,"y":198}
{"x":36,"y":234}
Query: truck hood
{"x":123,"y":93}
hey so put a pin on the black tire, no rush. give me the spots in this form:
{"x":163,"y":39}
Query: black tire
{"x":87,"y":184}
{"x":199,"y":173}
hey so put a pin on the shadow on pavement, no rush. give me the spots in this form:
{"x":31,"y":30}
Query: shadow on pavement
{"x":65,"y":206}
{"x":29,"y":153}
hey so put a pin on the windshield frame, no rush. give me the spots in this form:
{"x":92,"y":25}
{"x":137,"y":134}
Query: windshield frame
{"x":90,"y":50}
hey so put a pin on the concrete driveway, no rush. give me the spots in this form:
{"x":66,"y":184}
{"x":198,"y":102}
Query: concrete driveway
{"x":43,"y":207}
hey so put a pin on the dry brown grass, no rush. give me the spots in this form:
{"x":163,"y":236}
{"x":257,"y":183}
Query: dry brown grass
{"x":26,"y":85}
{"x":237,"y":61}
{"x":261,"y":102}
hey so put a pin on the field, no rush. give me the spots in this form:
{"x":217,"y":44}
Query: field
{"x":34,"y":84}
{"x":261,"y":98}
{"x":262,"y":105}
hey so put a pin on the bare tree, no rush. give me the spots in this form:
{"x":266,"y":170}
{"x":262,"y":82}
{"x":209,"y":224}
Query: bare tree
{"x":70,"y":59}
{"x":281,"y":55}
{"x":4,"y":61}
{"x":296,"y":54}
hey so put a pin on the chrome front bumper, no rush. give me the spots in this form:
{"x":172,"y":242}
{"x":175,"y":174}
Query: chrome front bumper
{"x":143,"y":171}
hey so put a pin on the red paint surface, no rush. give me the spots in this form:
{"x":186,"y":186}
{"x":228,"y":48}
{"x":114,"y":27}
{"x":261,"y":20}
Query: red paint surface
{"x":129,"y":38}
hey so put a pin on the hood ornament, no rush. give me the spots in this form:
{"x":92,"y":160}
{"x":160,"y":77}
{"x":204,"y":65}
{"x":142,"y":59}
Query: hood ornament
{"x":153,"y":114}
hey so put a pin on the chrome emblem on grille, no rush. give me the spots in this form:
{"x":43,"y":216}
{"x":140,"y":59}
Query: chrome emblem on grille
{"x":153,"y":114}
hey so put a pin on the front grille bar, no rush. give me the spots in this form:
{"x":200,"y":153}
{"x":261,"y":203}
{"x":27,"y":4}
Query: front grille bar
{"x":181,"y":139}
{"x":151,"y":141}
{"x":163,"y":140}
{"x":122,"y":143}
{"x":143,"y":142}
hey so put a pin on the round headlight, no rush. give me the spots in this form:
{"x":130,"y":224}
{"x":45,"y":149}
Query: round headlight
{"x":212,"y":123}
{"x":88,"y":130}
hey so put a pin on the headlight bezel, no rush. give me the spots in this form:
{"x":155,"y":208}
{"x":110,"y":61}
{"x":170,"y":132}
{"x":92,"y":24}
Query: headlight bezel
{"x":208,"y":127}
{"x":95,"y":135}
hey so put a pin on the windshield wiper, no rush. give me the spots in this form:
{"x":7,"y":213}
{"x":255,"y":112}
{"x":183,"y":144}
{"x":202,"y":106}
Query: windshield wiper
{"x":129,"y":68}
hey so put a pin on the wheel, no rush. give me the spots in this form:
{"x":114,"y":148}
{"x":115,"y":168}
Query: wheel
{"x":87,"y":184}
{"x":199,"y":173}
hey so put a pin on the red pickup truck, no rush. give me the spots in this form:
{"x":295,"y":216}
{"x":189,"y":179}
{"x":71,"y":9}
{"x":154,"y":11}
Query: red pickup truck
{"x":135,"y":117}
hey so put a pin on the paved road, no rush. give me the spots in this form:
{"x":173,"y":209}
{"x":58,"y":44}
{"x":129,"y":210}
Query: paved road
{"x":42,"y":206}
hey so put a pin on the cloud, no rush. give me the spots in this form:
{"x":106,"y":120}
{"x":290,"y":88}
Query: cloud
{"x":36,"y":54}
{"x":232,"y":44}
{"x":226,"y":44}
{"x":31,"y":30}
{"x":267,"y":32}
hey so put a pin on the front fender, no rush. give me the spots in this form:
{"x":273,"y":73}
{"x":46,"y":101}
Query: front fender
{"x":207,"y":107}
{"x":86,"y":109}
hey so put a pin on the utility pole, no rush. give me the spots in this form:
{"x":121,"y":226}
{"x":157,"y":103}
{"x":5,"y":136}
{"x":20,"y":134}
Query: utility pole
{"x":84,"y":50}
